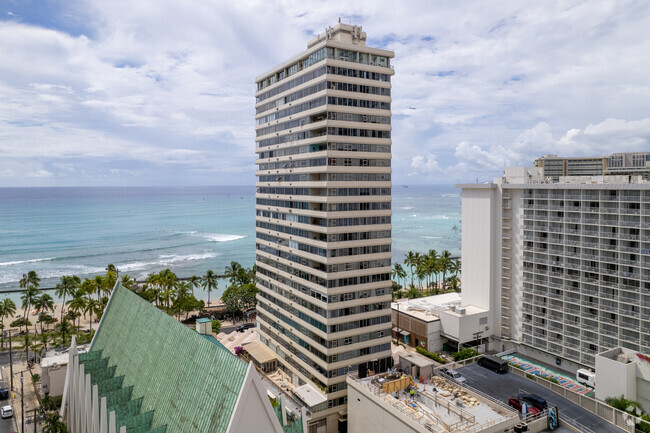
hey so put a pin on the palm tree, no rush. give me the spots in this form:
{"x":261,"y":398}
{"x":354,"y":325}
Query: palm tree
{"x":99,"y":285}
{"x":109,"y":280}
{"x":77,"y":304}
{"x":454,"y":283}
{"x":454,"y":267}
{"x":63,"y":328}
{"x":45,"y":302}
{"x":29,"y":296}
{"x":53,"y":423}
{"x":67,"y":287}
{"x":30,"y":279}
{"x":88,"y":286}
{"x":91,"y":308}
{"x":167,"y":280}
{"x":445,"y":264}
{"x":399,"y":272}
{"x":233,"y":272}
{"x":27,"y":345}
{"x":411,"y":260}
{"x":210,"y":282}
{"x":7,"y":308}
{"x":182,"y":292}
{"x":127,"y":281}
{"x":44,"y":339}
{"x":195,"y":283}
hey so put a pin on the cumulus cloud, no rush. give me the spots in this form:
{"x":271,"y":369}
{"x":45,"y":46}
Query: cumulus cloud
{"x":139,"y":87}
{"x":425,"y":166}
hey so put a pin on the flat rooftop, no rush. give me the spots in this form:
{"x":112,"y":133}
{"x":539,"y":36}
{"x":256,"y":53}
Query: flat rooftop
{"x":428,"y":309}
{"x":60,"y":358}
{"x":440,"y":406}
{"x":309,"y":395}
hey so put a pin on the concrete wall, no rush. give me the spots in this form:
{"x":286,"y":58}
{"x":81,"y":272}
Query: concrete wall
{"x":462,"y":327}
{"x":54,"y":378}
{"x":614,"y":378}
{"x":366,"y":414}
{"x":435,"y":341}
{"x":480,"y":248}
{"x":548,"y":358}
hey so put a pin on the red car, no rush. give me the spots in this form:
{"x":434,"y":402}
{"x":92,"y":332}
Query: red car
{"x":515,"y":402}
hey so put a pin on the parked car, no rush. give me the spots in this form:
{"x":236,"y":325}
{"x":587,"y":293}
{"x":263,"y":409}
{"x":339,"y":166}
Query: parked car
{"x":6,"y":412}
{"x":245,"y":326}
{"x":453,"y":375}
{"x":4,"y":393}
{"x":516,"y":403}
{"x":493,"y":363}
{"x":534,"y":400}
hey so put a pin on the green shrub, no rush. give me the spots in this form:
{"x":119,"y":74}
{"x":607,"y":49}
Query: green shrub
{"x":216,"y":326}
{"x":439,"y":359}
{"x":531,"y":376}
{"x":466,"y":353}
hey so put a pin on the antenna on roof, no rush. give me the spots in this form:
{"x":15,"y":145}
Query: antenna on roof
{"x":339,"y":20}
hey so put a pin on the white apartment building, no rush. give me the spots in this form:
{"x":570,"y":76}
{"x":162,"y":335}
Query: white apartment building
{"x":323,"y":225}
{"x":566,"y":264}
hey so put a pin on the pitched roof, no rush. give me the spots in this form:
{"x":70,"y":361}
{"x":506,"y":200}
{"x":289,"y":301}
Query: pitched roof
{"x":178,"y":378}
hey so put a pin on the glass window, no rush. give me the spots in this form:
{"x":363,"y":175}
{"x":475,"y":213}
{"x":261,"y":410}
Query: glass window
{"x":363,"y":58}
{"x":379,"y":61}
{"x":347,"y":56}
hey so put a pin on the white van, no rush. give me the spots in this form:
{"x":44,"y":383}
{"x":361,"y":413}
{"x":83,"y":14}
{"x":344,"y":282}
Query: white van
{"x":586,"y":377}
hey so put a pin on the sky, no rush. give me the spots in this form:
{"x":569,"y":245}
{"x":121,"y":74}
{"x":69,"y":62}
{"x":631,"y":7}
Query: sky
{"x":161,"y":92}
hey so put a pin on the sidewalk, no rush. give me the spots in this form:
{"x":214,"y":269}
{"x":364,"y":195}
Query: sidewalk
{"x":29,"y":399}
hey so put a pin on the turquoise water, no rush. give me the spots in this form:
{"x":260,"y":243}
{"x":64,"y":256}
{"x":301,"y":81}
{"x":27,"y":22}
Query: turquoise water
{"x":63,"y":231}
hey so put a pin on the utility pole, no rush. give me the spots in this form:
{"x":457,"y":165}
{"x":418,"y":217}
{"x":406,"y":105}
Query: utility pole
{"x":11,"y":362}
{"x":22,"y":404}
{"x":477,"y":335}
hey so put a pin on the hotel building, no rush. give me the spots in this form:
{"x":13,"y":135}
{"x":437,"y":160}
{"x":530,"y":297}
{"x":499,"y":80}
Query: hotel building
{"x":566,"y":264}
{"x":323,"y":217}
{"x":629,"y":163}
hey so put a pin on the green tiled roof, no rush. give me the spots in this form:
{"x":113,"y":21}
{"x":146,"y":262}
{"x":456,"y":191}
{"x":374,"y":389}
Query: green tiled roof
{"x":156,"y":372}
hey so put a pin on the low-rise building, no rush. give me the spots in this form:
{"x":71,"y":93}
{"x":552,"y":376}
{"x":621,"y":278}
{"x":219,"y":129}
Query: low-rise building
{"x":53,"y":369}
{"x":382,"y":404}
{"x":434,"y":321}
{"x":625,"y":372}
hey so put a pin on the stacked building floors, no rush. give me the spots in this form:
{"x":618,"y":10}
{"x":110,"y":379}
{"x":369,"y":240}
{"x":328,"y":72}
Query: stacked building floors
{"x":586,"y":270}
{"x":564,"y":267}
{"x":323,"y":217}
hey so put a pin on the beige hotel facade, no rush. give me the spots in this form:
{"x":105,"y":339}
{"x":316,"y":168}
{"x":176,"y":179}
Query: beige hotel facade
{"x":323,"y":217}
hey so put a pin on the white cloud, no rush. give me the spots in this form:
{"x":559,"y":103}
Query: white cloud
{"x":157,"y":84}
{"x":39,"y":173}
{"x":426,"y":166}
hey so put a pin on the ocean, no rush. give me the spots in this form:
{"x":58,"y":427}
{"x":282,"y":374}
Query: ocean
{"x":64,"y":231}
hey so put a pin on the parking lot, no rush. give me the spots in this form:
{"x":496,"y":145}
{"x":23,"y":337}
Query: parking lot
{"x":504,"y":386}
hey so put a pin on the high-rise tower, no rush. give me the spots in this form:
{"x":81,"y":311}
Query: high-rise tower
{"x":323,"y":206}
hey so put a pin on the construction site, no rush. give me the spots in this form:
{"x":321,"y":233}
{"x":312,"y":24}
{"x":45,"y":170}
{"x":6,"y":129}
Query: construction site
{"x":392,"y":402}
